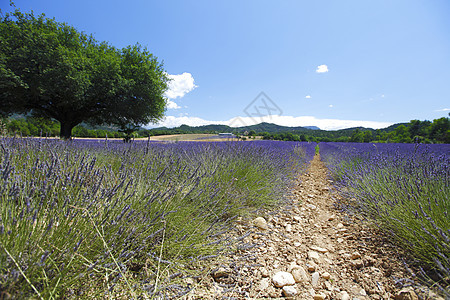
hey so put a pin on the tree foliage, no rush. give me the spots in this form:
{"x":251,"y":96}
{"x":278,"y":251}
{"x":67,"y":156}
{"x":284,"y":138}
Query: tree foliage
{"x":54,"y":71}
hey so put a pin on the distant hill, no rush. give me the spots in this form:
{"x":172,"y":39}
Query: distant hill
{"x":261,"y":127}
{"x":312,"y":127}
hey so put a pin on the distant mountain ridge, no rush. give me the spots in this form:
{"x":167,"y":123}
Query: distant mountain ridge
{"x":261,"y":127}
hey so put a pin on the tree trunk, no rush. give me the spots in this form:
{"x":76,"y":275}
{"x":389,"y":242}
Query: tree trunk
{"x":66,"y":130}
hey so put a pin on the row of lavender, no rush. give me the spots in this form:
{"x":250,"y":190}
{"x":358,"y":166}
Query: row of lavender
{"x":403,"y":187}
{"x":93,"y":217}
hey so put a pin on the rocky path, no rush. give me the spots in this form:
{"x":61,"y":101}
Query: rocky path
{"x":309,"y":250}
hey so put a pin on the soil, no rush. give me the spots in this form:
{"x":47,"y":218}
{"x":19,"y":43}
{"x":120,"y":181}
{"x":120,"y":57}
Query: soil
{"x":312,"y":239}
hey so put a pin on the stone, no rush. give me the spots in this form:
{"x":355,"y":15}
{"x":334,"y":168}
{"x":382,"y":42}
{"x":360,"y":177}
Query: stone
{"x":406,"y":294}
{"x":221,"y":272}
{"x":297,"y":244}
{"x":313,"y":255}
{"x":300,"y":274}
{"x":344,"y":296}
{"x":315,"y":279}
{"x":292,"y":266}
{"x":340,"y":225}
{"x":319,"y":296}
{"x":289,"y":291}
{"x":288,"y":227}
{"x":311,"y":266}
{"x":263,"y":284}
{"x":281,"y":279}
{"x":355,"y":255}
{"x":326,"y":275}
{"x":297,"y":218}
{"x":358,"y":263}
{"x":311,"y":206}
{"x":188,"y":280}
{"x":261,"y":223}
{"x":318,"y":249}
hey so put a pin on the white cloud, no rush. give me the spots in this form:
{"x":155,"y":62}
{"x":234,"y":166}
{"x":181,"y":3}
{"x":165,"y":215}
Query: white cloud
{"x":330,"y":106}
{"x":322,"y":69}
{"x":327,"y":124}
{"x":308,"y":96}
{"x":444,"y":109}
{"x":172,"y":105}
{"x":171,"y":121}
{"x":179,"y":86}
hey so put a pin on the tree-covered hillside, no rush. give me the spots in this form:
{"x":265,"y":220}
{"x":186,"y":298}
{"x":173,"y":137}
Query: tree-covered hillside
{"x":437,"y":131}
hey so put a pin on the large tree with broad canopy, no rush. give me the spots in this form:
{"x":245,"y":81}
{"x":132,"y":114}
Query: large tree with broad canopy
{"x":52,"y":70}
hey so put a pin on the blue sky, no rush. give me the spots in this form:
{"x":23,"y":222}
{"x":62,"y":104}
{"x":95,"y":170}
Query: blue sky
{"x":332,"y":64}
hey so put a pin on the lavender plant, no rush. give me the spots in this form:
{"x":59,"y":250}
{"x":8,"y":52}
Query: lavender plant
{"x":403,"y":187}
{"x":93,"y":218}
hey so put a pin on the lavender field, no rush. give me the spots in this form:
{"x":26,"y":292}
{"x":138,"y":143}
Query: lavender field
{"x":100,"y":218}
{"x":404,"y":188}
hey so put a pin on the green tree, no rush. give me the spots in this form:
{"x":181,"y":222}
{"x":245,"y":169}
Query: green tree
{"x":357,"y":136}
{"x":439,"y":130}
{"x":367,"y":136}
{"x":54,"y":71}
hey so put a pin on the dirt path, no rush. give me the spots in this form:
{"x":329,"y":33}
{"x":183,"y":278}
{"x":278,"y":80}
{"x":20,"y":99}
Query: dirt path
{"x":324,"y":254}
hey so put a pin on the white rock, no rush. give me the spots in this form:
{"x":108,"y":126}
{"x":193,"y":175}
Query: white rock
{"x":297,"y":218}
{"x":345,"y":295}
{"x":288,"y":227}
{"x":315,"y":279}
{"x":299,"y":274}
{"x":221,"y":272}
{"x":263,"y":284}
{"x":289,"y":291}
{"x":311,"y":206}
{"x":281,"y":279}
{"x":313,"y":255}
{"x":297,"y":244}
{"x":319,"y":249}
{"x":261,"y":223}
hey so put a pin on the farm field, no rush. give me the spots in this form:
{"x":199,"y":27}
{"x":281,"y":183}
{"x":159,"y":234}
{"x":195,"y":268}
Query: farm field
{"x":337,"y":243}
{"x":195,"y":138}
{"x":188,"y":137}
{"x":405,"y":190}
{"x":91,"y":218}
{"x":96,"y":218}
